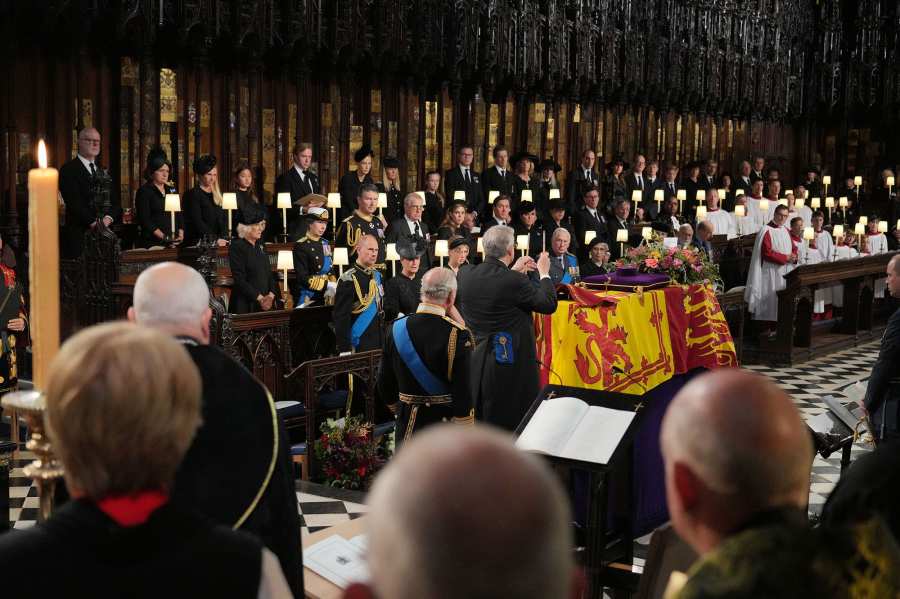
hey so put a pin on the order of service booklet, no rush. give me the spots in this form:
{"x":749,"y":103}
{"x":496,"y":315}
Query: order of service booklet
{"x":567,"y":427}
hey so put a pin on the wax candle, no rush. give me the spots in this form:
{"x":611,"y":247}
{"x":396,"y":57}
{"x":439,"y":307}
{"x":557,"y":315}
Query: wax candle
{"x":635,"y":196}
{"x":43,"y":247}
{"x":283,"y":203}
{"x":229,"y":203}
{"x":334,"y":202}
{"x":740,"y":211}
{"x":173,"y":205}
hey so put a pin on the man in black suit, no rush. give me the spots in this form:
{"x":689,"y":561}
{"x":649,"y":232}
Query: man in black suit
{"x":589,"y":217}
{"x":498,"y":300}
{"x":78,"y":184}
{"x":298,"y":181}
{"x":634,"y":181}
{"x":882,"y":400}
{"x":759,"y":169}
{"x":578,"y":179}
{"x":620,"y":221}
{"x":708,"y":179}
{"x":411,"y":226}
{"x":744,"y":180}
{"x":461,"y":178}
{"x":497,"y":177}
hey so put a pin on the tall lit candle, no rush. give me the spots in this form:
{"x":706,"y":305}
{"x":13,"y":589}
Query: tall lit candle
{"x":173,"y":205}
{"x":334,"y":202}
{"x":740,"y":211}
{"x":622,"y":237}
{"x":229,"y":203}
{"x":285,"y":262}
{"x":382,"y":203}
{"x":815,"y":203}
{"x":838,"y":232}
{"x":283,"y":203}
{"x":882,"y":226}
{"x":701,"y":213}
{"x":647,"y":233}
{"x":857,"y":180}
{"x":721,"y":193}
{"x":859,"y":230}
{"x":441,"y":249}
{"x":636,"y":196}
{"x":700,"y":196}
{"x":658,"y":196}
{"x":392,"y":255}
{"x":43,"y":271}
{"x":341,"y":258}
{"x":522,"y":243}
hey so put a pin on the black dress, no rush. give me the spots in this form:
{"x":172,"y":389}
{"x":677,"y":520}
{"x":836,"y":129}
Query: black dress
{"x":150,"y":203}
{"x":434,"y":210}
{"x":252,"y":275}
{"x":205,"y":219}
{"x":349,"y":190}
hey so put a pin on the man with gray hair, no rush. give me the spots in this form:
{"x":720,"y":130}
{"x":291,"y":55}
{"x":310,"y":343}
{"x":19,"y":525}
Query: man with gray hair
{"x":410,"y":226}
{"x":432,"y":533}
{"x":497,"y":303}
{"x":737,"y":461}
{"x":424,"y":377}
{"x":238,"y":470}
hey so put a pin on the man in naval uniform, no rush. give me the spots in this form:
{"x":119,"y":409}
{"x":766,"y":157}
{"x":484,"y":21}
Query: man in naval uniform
{"x":424,"y":376}
{"x":363,"y":222}
{"x":563,"y":265}
{"x":313,"y":261}
{"x":358,"y":312}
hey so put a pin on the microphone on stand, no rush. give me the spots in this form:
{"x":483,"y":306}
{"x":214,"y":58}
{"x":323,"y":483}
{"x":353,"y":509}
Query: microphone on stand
{"x":618,"y":370}
{"x":551,"y":370}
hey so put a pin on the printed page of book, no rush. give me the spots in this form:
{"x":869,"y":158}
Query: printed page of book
{"x":597,"y":435}
{"x":552,"y":424}
{"x":337,"y":560}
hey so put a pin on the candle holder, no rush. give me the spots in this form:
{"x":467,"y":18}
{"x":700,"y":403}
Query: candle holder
{"x":45,"y":470}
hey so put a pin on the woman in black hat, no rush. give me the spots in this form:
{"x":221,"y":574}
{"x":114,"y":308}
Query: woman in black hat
{"x":597,"y":262}
{"x":150,"y":203}
{"x":523,"y":165}
{"x":353,"y":180}
{"x":255,"y":288}
{"x":390,"y":185}
{"x":203,"y":205}
{"x":548,"y":169}
{"x":614,"y":182}
{"x":401,"y":293}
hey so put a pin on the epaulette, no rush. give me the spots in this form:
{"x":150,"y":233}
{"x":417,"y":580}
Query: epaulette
{"x":348,"y":274}
{"x":347,"y":219}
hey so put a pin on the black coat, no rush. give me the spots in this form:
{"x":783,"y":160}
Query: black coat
{"x":349,"y":190}
{"x":291,"y":182}
{"x":204,"y":218}
{"x":585,"y":221}
{"x":354,"y":226}
{"x":475,"y":194}
{"x":175,"y":552}
{"x":150,"y":203}
{"x":536,"y":236}
{"x":589,"y":269}
{"x":492,"y":180}
{"x":631,"y":183}
{"x":433,"y":337}
{"x":434,"y":210}
{"x":399,"y":229}
{"x":348,"y":307}
{"x":576,"y":183}
{"x":883,"y":391}
{"x":253,"y":276}
{"x":228,"y":464}
{"x":518,"y":186}
{"x":496,"y":299}
{"x":75,"y":186}
{"x":394,"y":208}
{"x":401,"y":296}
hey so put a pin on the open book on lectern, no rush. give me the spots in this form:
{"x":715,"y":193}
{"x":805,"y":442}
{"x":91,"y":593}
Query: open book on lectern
{"x":567,"y":427}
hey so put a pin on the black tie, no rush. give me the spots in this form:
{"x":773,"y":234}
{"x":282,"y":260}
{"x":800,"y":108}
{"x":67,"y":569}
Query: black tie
{"x":640,"y":182}
{"x":418,"y":232}
{"x":467,"y":177}
{"x":93,"y":170}
{"x":672,"y":188}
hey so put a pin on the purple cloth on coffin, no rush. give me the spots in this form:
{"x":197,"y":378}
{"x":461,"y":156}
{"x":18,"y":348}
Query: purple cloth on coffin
{"x":617,"y":278}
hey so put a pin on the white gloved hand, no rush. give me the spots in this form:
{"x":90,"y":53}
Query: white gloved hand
{"x":330,"y":289}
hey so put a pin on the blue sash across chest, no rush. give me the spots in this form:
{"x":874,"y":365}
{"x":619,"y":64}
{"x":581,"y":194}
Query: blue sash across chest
{"x":430,"y":383}
{"x":366,"y":317}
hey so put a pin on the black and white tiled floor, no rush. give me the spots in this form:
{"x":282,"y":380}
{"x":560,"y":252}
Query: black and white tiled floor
{"x":321,"y":507}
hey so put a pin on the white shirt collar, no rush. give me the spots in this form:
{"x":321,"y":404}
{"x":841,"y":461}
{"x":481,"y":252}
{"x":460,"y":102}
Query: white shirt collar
{"x":500,"y":170}
{"x":299,"y":170}
{"x":86,"y":163}
{"x":412,"y":224}
{"x":463,"y":169}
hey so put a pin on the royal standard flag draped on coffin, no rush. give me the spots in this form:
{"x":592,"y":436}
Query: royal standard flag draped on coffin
{"x":632,"y":341}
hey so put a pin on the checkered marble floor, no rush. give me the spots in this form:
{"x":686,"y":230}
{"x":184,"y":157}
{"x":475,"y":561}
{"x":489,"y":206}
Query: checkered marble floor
{"x":321,"y":506}
{"x":838,"y":375}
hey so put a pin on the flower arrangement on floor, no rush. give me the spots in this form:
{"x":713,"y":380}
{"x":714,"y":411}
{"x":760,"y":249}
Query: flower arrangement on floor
{"x":683,"y":265}
{"x":347,"y":456}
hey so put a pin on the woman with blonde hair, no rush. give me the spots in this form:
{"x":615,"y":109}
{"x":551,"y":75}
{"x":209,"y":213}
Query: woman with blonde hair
{"x":255,"y":288}
{"x":122,"y":406}
{"x":203,"y":205}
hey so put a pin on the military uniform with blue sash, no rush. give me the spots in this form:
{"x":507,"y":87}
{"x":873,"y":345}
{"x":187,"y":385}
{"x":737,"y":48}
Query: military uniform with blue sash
{"x":313,"y":265}
{"x":563,"y":269}
{"x":425,"y":376}
{"x":358,"y":313}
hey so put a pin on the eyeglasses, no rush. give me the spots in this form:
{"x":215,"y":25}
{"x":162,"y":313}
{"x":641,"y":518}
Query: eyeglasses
{"x":417,"y":207}
{"x":93,"y":141}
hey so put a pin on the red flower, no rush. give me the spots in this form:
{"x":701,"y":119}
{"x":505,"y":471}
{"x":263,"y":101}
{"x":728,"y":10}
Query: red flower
{"x":361,"y":471}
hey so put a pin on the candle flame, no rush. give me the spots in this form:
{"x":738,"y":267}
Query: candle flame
{"x":42,"y":154}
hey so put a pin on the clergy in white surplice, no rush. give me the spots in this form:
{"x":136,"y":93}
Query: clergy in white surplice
{"x":798,"y":245}
{"x":757,"y":208}
{"x":821,"y":249}
{"x":794,"y":208}
{"x":772,"y":255}
{"x":875,"y":243}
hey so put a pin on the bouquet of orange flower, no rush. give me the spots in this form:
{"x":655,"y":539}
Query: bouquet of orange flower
{"x":684,"y":265}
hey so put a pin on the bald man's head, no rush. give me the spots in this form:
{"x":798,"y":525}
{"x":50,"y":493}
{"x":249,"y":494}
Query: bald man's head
{"x":172,"y":297}
{"x":462,"y":513}
{"x":733,"y":445}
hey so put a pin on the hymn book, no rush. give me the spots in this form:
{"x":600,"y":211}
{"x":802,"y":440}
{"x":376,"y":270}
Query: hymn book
{"x":566,"y":427}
